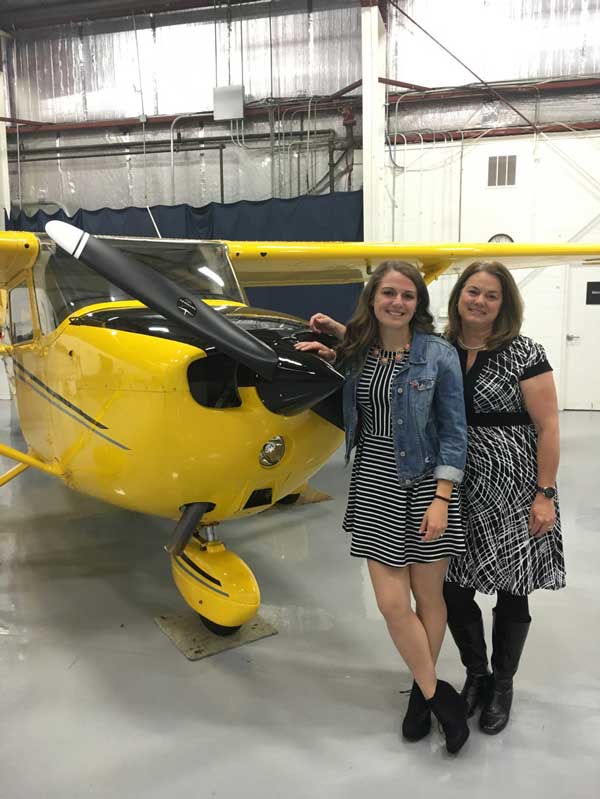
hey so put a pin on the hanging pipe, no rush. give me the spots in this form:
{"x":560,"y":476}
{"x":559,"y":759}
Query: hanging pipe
{"x":222,"y":173}
{"x":331,"y":166}
{"x":19,"y":169}
{"x":272,"y":137}
{"x":104,"y":149}
{"x":395,"y":165}
{"x":173,"y":123}
{"x":109,"y":151}
{"x":299,"y":155}
{"x":308,"y":144}
{"x":292,"y":115}
{"x":460,"y":187}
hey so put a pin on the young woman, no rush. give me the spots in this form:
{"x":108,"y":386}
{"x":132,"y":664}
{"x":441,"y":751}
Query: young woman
{"x":404,"y":412}
{"x":513,"y":536}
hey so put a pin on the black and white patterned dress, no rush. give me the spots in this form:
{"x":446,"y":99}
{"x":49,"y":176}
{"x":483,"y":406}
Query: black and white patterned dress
{"x":501,"y":478}
{"x":383,"y":517}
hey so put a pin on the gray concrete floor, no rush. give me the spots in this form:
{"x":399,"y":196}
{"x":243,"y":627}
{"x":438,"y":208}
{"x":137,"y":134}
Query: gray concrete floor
{"x":96,"y":702}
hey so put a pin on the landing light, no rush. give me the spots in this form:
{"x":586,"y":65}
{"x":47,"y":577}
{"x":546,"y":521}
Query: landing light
{"x":272,"y":452}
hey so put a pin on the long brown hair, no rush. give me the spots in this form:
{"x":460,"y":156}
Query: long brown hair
{"x":508,"y":323}
{"x":363,"y":329}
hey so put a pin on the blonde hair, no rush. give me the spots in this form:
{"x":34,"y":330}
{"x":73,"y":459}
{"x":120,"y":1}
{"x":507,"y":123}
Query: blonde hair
{"x":508,"y":323}
{"x":363,"y":329}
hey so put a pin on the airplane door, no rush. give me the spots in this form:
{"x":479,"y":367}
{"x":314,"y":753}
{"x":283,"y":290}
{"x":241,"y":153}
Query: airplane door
{"x":32,"y":404}
{"x":582,"y":377}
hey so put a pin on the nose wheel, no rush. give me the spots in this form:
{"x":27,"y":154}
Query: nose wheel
{"x":215,"y":582}
{"x":219,"y":629}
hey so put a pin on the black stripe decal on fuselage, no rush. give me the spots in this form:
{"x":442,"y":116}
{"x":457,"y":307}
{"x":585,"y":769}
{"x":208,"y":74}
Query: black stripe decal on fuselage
{"x":58,"y":397}
{"x":21,"y":374}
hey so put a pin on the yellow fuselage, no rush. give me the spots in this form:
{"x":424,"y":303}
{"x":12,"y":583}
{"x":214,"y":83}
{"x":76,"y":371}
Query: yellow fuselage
{"x":115,"y":411}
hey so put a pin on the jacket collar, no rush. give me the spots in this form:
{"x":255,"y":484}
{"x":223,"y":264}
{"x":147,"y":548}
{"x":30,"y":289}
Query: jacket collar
{"x":418,"y":348}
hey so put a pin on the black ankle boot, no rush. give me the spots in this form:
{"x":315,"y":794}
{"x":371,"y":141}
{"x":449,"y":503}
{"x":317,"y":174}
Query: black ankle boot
{"x":470,"y":640}
{"x":508,"y":641}
{"x":417,"y":721}
{"x":450,"y":710}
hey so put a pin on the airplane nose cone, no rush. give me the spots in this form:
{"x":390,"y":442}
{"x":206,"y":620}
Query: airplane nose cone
{"x":301,"y":381}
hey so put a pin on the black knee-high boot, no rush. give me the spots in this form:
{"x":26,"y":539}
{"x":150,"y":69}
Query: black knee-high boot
{"x":417,"y":721}
{"x":450,"y":710}
{"x":508,"y":640}
{"x":466,"y":625}
{"x":470,"y":640}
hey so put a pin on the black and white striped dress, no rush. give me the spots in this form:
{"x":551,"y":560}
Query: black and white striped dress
{"x":383,"y":517}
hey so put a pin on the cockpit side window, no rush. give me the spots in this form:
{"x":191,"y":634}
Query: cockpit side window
{"x":21,"y":321}
{"x":45,"y":287}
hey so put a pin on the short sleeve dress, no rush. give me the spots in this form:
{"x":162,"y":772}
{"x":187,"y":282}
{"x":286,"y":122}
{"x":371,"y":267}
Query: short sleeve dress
{"x":383,"y":516}
{"x":501,"y":478}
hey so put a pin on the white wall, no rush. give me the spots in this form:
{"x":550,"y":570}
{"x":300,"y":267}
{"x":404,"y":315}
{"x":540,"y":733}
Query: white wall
{"x":555,"y":199}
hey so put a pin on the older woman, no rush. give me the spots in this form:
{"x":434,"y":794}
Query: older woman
{"x":513,"y":536}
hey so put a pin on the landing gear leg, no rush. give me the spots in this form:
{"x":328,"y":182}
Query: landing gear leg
{"x":186,"y":526}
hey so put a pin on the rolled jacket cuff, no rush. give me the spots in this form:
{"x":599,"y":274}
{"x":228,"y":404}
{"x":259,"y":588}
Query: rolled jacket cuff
{"x":451,"y":473}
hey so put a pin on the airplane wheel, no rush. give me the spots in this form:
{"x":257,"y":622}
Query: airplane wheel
{"x":289,"y":500}
{"x":218,"y":629}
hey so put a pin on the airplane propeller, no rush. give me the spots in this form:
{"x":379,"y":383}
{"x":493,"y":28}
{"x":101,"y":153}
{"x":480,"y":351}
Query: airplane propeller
{"x":164,"y":295}
{"x":289,"y":381}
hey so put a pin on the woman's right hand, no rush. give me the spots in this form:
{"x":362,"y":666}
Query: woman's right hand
{"x":321,"y":323}
{"x":319,"y":349}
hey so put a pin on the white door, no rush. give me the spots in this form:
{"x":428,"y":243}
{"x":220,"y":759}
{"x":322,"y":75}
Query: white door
{"x":582,"y":361}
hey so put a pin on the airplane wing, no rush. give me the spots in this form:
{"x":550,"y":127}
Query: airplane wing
{"x":287,"y":263}
{"x":18,"y":251}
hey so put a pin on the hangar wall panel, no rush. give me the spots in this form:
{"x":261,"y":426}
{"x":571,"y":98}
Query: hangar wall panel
{"x":508,"y":40}
{"x":555,"y":198}
{"x":82,"y":73}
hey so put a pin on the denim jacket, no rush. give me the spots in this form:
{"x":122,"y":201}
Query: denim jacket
{"x":428,"y":411}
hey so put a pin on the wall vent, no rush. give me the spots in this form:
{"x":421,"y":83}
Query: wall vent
{"x":502,"y":170}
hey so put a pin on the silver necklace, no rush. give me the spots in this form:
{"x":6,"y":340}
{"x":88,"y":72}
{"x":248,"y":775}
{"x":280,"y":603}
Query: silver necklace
{"x":471,"y":349}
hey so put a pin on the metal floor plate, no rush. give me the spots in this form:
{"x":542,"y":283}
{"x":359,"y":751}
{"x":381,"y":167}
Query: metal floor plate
{"x":193,"y":640}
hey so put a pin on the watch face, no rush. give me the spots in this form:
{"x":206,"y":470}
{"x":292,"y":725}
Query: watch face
{"x":549,"y":492}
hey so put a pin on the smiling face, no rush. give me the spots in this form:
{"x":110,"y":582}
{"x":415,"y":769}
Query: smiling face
{"x":394,"y":303}
{"x":480,"y":300}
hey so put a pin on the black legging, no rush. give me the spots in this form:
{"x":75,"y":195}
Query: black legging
{"x":462,"y":606}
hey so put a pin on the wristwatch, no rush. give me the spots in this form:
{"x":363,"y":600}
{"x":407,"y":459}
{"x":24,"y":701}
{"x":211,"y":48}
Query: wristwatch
{"x":548,"y":491}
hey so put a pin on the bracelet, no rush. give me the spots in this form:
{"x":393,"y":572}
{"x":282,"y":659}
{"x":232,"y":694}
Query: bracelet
{"x":445,"y":499}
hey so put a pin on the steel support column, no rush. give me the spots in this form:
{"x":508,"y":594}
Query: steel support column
{"x":373,"y":66}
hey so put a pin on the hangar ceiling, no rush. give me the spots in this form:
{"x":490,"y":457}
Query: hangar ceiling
{"x":27,"y":14}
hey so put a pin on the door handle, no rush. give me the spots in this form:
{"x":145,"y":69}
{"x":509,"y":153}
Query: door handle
{"x":571,"y":337}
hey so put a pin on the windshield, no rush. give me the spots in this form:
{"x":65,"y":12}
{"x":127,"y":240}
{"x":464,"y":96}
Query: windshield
{"x":200,"y":268}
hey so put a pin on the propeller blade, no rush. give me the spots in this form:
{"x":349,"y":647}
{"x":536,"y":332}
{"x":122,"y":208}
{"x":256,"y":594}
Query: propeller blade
{"x":165,"y":297}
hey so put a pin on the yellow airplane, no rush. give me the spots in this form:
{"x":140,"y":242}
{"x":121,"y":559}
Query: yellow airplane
{"x":143,"y":378}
